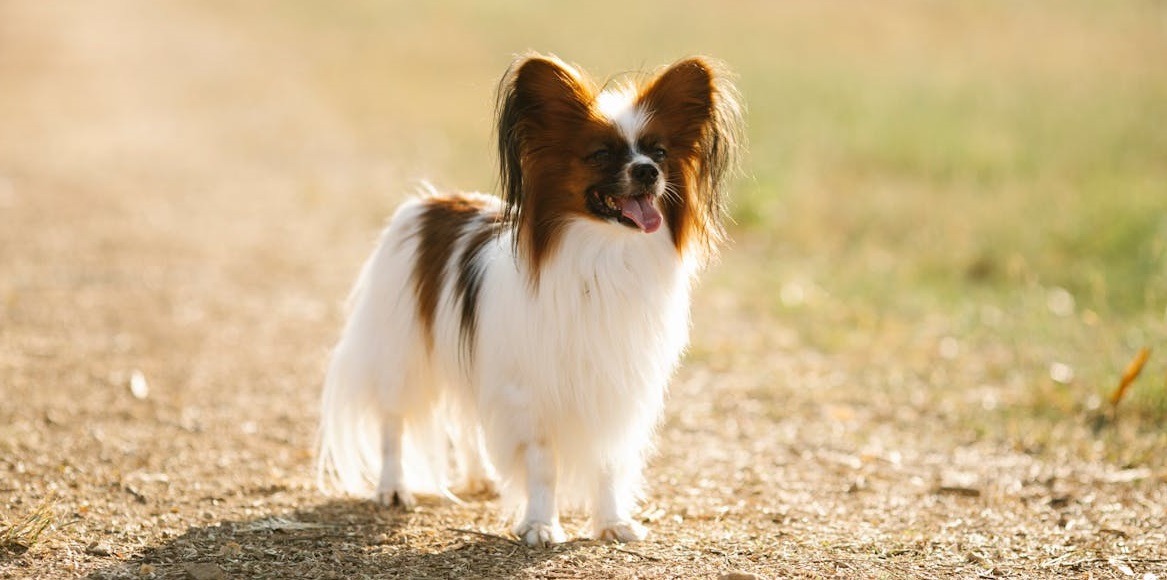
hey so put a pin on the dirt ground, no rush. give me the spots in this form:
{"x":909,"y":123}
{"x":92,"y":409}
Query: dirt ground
{"x":180,"y":218}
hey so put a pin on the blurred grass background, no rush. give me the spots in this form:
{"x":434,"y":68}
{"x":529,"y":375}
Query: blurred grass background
{"x":997,"y":166}
{"x":990,"y":175}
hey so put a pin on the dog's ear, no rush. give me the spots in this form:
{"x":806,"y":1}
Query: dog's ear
{"x":680,"y":101}
{"x":540,"y":99}
{"x":543,"y":103}
{"x":545,"y":92}
{"x":695,"y":106}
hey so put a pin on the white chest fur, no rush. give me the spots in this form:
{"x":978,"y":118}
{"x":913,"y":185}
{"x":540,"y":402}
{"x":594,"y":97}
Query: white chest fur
{"x":591,"y":349}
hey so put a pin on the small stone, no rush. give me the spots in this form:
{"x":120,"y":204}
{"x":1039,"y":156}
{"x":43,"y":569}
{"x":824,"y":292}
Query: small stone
{"x":139,"y":388}
{"x":204,"y":571}
{"x":231,"y":549}
{"x":98,"y":549}
{"x":740,"y":576}
{"x":147,"y":570}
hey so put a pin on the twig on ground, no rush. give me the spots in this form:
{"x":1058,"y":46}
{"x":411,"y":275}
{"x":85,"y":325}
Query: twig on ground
{"x":645,"y":556}
{"x":1129,"y":375}
{"x":484,"y":535}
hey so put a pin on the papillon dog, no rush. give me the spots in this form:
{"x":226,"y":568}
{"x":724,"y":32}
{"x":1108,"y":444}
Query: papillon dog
{"x":527,"y":340}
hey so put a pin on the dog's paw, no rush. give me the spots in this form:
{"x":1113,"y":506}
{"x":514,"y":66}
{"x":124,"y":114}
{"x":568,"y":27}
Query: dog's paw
{"x":398,"y":498}
{"x":540,"y":534}
{"x":623,"y":532}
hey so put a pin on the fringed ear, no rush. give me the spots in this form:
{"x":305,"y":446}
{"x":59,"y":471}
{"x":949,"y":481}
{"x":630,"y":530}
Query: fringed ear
{"x":695,"y":104}
{"x":540,"y":99}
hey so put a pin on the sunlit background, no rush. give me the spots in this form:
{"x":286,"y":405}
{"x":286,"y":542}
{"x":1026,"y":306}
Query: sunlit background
{"x":905,"y":155}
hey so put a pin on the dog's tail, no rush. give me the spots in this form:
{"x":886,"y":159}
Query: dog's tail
{"x":378,"y":369}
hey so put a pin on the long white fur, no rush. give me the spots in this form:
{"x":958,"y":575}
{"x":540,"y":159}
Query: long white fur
{"x":564,"y":387}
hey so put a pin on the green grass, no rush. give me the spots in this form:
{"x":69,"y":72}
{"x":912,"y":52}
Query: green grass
{"x":977,"y":183}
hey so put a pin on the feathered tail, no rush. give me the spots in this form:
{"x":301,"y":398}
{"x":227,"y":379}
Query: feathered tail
{"x":378,"y":370}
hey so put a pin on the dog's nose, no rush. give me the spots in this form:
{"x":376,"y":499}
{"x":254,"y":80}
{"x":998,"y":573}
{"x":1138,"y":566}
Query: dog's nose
{"x":645,"y":173}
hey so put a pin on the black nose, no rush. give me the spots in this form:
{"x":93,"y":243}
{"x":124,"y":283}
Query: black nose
{"x":645,"y":173}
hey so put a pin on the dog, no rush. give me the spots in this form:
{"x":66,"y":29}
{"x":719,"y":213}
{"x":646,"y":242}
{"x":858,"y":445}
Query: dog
{"x":527,"y":340}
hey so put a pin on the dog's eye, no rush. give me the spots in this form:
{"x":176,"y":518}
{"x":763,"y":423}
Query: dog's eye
{"x":599,"y":156}
{"x":657,"y":154}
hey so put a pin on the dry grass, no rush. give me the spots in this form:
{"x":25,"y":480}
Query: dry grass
{"x":950,"y":245}
{"x":17,"y":537}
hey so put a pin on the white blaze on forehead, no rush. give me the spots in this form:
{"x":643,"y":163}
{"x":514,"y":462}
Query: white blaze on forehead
{"x":619,"y":106}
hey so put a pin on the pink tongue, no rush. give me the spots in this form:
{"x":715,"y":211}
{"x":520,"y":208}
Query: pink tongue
{"x":640,"y":210}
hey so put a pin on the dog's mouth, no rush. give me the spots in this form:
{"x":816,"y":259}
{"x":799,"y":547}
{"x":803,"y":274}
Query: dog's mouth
{"x":634,"y":211}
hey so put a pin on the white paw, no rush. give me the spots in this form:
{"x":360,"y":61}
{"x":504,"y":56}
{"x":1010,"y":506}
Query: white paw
{"x":540,"y":534}
{"x":624,"y":532}
{"x":396,"y":498}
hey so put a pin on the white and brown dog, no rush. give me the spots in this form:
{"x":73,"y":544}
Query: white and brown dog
{"x":533,"y":335}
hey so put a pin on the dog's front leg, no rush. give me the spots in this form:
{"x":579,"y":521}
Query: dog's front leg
{"x":615,"y":498}
{"x":540,"y":525}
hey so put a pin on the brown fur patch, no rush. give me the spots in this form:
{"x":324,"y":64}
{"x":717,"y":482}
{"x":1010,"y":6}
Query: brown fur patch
{"x":695,"y":112}
{"x":546,"y":125}
{"x":441,"y":225}
{"x":470,"y":273}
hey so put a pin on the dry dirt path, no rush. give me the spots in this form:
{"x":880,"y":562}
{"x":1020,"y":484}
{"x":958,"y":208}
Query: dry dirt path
{"x":175,"y":201}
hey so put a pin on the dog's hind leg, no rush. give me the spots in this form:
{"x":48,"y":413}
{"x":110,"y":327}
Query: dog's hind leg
{"x":477,"y":477}
{"x":391,"y":490}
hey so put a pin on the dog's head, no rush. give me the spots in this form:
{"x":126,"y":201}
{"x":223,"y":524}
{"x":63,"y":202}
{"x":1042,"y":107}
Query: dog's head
{"x":637,"y":157}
